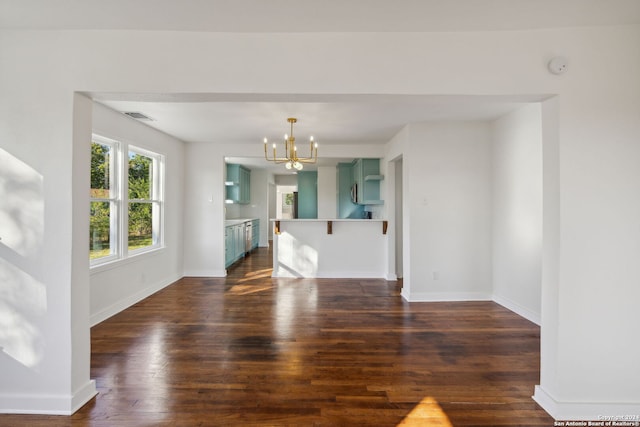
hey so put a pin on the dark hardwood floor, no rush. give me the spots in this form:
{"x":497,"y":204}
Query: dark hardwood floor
{"x":252,"y":350}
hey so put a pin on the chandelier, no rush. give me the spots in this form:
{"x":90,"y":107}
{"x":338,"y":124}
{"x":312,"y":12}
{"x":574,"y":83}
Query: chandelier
{"x":291,"y":159}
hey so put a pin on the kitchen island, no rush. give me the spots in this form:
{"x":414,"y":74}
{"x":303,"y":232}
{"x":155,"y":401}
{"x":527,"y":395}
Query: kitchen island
{"x":330,"y":248}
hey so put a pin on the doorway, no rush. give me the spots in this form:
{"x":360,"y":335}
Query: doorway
{"x":286,"y":201}
{"x":398,"y":218}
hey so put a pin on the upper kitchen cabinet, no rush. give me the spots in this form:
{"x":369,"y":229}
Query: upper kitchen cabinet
{"x":366,"y":178}
{"x":238,"y":184}
{"x":307,"y":194}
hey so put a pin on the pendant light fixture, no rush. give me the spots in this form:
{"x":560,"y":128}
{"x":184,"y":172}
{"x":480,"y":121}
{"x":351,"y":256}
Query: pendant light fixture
{"x":291,"y":159}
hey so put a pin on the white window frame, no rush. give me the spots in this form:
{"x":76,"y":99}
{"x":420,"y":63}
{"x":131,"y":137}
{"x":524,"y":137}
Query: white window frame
{"x":156,"y":200}
{"x":114,"y":200}
{"x":119,"y":199}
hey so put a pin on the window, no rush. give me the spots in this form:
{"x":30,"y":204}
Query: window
{"x":144,"y":199}
{"x":126,"y":200}
{"x":104,"y":201}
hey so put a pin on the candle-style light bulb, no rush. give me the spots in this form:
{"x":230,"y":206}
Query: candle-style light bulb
{"x":265,"y":141}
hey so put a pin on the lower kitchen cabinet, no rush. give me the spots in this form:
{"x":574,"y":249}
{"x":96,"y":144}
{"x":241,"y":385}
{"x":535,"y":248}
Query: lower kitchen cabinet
{"x":236,"y":239}
{"x":255,"y":236}
{"x":229,"y":245}
{"x":234,"y":243}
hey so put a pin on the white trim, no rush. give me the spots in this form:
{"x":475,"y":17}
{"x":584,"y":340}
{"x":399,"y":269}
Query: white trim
{"x":119,"y":191}
{"x":584,"y":411}
{"x":473,"y":296}
{"x":284,"y":273}
{"x":130,"y":300}
{"x":115,"y":178}
{"x":391,"y":277}
{"x":545,"y":401}
{"x":205,"y":273}
{"x":47,"y":404}
{"x":447,"y":296}
{"x":518,"y":309}
{"x":83,"y":395}
{"x":350,"y":275}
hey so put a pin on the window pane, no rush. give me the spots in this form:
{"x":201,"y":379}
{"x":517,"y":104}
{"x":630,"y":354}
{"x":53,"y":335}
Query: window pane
{"x":140,"y":225}
{"x":100,"y":230}
{"x":140,"y":176}
{"x":100,"y":171}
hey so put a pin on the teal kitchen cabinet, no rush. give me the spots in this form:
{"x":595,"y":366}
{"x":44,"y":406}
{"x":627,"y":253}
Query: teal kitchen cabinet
{"x":236,"y":236}
{"x":238,"y":184}
{"x":229,"y":246}
{"x":239,"y":241}
{"x":255,"y":236}
{"x":307,"y":194}
{"x":234,"y":243}
{"x":366,"y":177}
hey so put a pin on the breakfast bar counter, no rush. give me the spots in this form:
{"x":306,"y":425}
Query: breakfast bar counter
{"x":330,"y":248}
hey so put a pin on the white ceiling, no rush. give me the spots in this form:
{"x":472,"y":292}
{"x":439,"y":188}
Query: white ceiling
{"x":332,"y":119}
{"x":315,"y":15}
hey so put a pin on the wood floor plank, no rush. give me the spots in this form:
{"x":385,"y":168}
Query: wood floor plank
{"x":252,"y":350}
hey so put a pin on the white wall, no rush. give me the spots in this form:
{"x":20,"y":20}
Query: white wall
{"x":450,"y":172}
{"x":204,"y":195}
{"x":327,"y":192}
{"x":599,"y":233}
{"x":517,"y":211}
{"x":82,"y":389}
{"x":118,"y":285}
{"x":590,"y":178}
{"x":394,"y":150}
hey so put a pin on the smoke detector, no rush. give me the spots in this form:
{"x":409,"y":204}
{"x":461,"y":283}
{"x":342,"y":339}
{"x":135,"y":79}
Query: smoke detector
{"x":558,"y":65}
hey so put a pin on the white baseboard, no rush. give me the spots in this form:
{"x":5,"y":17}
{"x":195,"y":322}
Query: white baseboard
{"x":83,"y":395}
{"x":47,"y":404}
{"x":130,"y":300}
{"x":473,"y":296}
{"x":205,"y":273}
{"x":391,"y":277}
{"x":585,"y":411}
{"x":351,"y":275}
{"x":284,"y":273}
{"x":518,"y":309}
{"x":447,"y":296}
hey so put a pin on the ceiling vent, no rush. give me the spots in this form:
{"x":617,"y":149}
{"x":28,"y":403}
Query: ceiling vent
{"x":138,"y":115}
